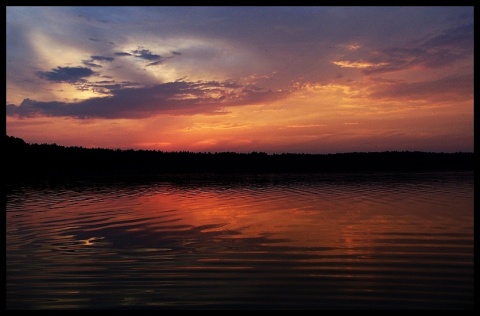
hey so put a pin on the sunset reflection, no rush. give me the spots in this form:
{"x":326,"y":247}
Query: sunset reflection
{"x":211,"y":241}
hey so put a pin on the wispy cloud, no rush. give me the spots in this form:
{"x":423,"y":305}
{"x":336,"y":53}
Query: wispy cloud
{"x":304,"y":125}
{"x":105,"y":86}
{"x":436,"y":51}
{"x":353,"y":47}
{"x":155,"y":63}
{"x":357,"y":64}
{"x":89,"y":63}
{"x":444,"y":89}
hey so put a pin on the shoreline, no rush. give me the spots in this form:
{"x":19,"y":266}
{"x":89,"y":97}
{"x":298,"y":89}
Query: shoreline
{"x":51,"y":161}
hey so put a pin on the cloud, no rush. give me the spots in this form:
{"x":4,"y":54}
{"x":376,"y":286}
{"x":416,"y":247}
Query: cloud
{"x":105,"y":86}
{"x":155,"y":63}
{"x":66,"y":74}
{"x":461,"y":36}
{"x":179,"y":98}
{"x":89,"y":63}
{"x":358,"y":64}
{"x":91,"y":19}
{"x":353,"y":47}
{"x":436,"y":51}
{"x":444,"y":89}
{"x":102,"y":58}
{"x":146,"y":54}
{"x":122,"y":54}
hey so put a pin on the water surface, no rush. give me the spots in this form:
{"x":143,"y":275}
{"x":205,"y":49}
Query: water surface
{"x":337,"y":241}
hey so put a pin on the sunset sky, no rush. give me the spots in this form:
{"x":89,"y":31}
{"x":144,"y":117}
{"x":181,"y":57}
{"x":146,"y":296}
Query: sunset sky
{"x":211,"y":79}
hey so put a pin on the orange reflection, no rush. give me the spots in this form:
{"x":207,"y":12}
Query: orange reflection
{"x":344,"y":217}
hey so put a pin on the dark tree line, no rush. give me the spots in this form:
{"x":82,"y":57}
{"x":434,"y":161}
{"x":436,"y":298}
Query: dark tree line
{"x":51,"y":160}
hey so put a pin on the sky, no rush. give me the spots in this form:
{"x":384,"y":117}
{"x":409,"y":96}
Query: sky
{"x":242,"y":79}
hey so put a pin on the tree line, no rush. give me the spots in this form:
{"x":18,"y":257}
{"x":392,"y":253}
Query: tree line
{"x":52,"y":160}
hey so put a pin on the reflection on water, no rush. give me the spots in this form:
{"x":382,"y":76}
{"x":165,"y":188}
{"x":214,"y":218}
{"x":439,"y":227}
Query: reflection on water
{"x":316,"y":241}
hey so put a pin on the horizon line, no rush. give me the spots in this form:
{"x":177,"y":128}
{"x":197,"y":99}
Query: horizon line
{"x":249,"y":152}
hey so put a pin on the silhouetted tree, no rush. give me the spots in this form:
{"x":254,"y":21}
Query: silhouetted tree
{"x":51,"y":160}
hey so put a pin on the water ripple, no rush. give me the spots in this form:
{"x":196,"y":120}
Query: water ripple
{"x":369,"y":241}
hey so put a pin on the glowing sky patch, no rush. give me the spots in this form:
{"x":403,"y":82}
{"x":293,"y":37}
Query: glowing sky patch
{"x":353,"y":47}
{"x":357,"y":64}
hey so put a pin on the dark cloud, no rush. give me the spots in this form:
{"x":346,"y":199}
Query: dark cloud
{"x":122,"y":54}
{"x":461,"y":36}
{"x":66,"y":74}
{"x":102,"y":58}
{"x":108,"y":86}
{"x":146,"y":54}
{"x":89,"y":63}
{"x":179,"y":98}
{"x":99,"y":40}
{"x":106,"y":81}
{"x":30,"y":108}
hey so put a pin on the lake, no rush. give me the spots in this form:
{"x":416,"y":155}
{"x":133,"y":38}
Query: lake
{"x":284,"y":241}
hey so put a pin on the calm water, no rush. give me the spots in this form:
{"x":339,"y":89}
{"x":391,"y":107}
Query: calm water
{"x":317,"y":241}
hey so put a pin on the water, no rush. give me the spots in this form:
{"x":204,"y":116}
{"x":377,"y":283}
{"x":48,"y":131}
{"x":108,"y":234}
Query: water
{"x":249,"y":242}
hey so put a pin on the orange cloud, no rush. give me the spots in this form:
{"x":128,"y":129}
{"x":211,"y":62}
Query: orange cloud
{"x":357,"y":64}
